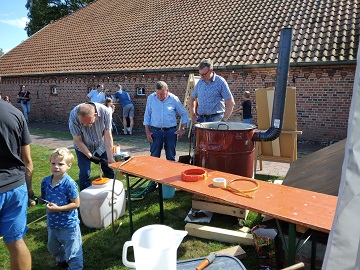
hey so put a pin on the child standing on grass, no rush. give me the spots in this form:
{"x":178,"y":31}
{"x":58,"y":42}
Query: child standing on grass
{"x":62,"y":196}
{"x":246,"y":107}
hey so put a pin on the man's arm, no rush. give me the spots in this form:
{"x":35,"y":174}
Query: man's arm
{"x":229,"y":106}
{"x":82,"y":147}
{"x":192,"y":106}
{"x":108,"y":140}
{"x":29,"y":167}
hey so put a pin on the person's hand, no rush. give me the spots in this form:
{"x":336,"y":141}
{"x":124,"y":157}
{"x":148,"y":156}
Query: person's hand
{"x":149,"y":137}
{"x":31,"y":197}
{"x":97,"y":160}
{"x":52,"y":207}
{"x":180,"y":132}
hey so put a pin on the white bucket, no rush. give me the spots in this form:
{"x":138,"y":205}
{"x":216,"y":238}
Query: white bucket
{"x":95,"y":204}
{"x":155,"y":248}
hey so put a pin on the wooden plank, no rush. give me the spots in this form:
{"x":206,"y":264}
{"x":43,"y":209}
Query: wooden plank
{"x":218,"y":234}
{"x":319,"y":171}
{"x":219,"y":208}
{"x":235,"y":251}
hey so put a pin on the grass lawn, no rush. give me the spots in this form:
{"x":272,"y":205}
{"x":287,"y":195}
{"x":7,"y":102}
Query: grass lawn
{"x":103,"y":248}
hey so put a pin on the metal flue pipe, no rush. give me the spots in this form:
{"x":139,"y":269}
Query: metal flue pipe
{"x":282,"y":71}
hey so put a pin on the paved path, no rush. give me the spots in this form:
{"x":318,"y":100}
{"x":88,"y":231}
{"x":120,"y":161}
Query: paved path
{"x":269,"y":168}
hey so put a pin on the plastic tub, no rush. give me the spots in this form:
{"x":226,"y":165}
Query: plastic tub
{"x":168,"y":192}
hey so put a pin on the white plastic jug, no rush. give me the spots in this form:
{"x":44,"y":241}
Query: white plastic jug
{"x":155,"y":248}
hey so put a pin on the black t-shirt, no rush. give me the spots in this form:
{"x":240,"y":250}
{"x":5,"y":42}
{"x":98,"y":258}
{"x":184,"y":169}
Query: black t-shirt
{"x":246,"y":109}
{"x":14,"y":133}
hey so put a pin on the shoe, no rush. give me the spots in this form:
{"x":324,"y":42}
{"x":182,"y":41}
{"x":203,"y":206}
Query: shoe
{"x":61,"y":265}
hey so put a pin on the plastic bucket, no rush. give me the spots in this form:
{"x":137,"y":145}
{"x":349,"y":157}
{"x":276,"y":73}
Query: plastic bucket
{"x":168,"y":192}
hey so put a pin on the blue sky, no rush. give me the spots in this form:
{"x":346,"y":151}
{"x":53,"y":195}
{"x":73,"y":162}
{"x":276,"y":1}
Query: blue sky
{"x":13,"y":18}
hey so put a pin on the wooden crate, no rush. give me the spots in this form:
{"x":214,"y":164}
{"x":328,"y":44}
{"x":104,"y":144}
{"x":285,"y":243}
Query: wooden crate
{"x":202,"y":203}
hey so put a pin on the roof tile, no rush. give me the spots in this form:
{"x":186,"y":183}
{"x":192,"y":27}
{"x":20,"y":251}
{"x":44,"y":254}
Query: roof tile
{"x":111,"y":35}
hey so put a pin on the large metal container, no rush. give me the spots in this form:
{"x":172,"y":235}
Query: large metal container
{"x":225,"y":146}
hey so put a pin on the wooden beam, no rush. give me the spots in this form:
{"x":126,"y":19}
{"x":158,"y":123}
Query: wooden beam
{"x":218,"y":234}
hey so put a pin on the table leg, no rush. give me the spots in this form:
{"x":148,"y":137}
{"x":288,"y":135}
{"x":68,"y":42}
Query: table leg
{"x":289,"y":246}
{"x":292,"y":244}
{"x":161,"y":203}
{"x":313,"y":251}
{"x":129,"y":204}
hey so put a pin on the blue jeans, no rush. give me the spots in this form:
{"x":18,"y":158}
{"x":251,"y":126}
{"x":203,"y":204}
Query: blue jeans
{"x":26,"y":109}
{"x":247,"y":120}
{"x":84,"y":165}
{"x":210,"y":119}
{"x":13,"y":207}
{"x":166,"y":139}
{"x":65,"y":244}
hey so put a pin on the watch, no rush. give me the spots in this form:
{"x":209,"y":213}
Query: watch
{"x":183,"y":128}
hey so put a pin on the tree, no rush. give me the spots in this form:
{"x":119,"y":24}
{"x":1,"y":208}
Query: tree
{"x":1,"y":52}
{"x":44,"y":12}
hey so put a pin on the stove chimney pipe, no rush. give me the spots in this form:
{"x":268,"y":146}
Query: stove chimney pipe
{"x":280,"y":89}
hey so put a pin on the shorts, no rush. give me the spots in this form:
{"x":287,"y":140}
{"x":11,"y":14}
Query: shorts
{"x":13,"y":207}
{"x":128,"y":110}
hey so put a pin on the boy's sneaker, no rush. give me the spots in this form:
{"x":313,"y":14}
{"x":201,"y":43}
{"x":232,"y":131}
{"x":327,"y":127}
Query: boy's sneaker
{"x":61,"y":265}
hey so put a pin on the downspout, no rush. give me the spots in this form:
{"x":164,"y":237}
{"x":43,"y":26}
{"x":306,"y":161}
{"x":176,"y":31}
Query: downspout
{"x":280,"y":89}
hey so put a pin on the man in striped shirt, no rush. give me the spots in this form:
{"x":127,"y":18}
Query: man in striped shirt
{"x":90,"y":126}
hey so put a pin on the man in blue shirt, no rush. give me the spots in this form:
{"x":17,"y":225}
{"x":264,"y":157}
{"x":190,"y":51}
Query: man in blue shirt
{"x":97,"y":95}
{"x":212,"y":95}
{"x":160,"y":121}
{"x":128,"y":107}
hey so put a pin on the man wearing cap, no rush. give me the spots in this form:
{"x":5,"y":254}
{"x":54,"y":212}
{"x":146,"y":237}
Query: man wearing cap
{"x":212,"y":94}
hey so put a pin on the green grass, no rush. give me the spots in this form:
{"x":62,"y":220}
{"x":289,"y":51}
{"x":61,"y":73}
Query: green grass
{"x":103,"y":248}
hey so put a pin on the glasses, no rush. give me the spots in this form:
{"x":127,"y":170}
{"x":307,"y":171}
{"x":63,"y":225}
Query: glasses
{"x":203,"y":75}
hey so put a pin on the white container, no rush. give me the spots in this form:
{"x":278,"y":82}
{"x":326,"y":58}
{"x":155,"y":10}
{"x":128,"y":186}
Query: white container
{"x":95,"y":204}
{"x":155,"y":248}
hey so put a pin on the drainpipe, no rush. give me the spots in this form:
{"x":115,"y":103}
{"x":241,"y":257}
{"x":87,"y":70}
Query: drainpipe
{"x":280,"y":89}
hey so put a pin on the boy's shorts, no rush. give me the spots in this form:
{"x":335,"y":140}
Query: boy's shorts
{"x":13,"y":207}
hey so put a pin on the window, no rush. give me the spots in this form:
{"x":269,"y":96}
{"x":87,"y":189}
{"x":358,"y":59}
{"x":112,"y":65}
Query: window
{"x":53,"y":90}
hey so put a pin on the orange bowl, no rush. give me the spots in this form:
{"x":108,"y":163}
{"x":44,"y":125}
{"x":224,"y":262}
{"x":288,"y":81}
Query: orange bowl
{"x":193,"y":175}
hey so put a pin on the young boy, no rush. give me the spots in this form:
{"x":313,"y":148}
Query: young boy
{"x":62,"y":197}
{"x":246,"y":107}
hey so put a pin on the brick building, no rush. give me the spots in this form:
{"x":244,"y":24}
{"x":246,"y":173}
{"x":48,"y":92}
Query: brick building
{"x":136,"y":43}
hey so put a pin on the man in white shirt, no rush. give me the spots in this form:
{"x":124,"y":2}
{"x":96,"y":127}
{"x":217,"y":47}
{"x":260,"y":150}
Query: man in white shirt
{"x":97,"y":95}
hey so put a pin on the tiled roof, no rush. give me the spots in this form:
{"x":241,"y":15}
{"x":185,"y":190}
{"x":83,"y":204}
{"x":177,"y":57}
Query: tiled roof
{"x":128,"y":35}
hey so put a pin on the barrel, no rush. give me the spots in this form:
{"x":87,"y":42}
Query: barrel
{"x":226,"y":147}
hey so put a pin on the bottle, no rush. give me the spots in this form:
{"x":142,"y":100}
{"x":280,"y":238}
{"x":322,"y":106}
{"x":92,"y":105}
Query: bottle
{"x":118,"y":149}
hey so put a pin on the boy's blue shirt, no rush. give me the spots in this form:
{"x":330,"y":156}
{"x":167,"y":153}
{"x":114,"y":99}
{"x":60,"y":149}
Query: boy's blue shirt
{"x":61,"y":194}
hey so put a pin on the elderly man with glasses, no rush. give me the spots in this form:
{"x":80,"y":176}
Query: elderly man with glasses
{"x":211,"y":99}
{"x":90,"y":126}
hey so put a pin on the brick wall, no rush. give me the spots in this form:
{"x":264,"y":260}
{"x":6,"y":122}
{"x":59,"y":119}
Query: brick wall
{"x":323,"y":94}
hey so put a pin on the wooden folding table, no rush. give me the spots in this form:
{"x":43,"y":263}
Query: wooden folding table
{"x":296,"y":206}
